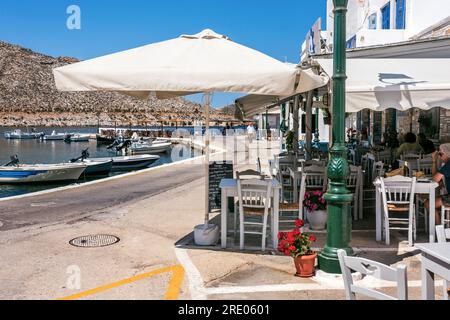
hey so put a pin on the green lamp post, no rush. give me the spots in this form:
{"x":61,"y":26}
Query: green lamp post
{"x":338,"y":197}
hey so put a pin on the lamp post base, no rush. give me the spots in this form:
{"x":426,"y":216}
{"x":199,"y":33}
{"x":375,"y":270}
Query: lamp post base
{"x":329,"y":261}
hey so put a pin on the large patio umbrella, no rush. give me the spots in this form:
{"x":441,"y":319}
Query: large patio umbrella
{"x":203,"y":63}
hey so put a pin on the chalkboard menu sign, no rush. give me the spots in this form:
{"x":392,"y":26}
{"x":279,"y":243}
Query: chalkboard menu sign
{"x":217,"y":172}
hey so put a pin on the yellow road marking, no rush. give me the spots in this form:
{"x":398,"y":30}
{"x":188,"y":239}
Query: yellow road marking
{"x":172,"y":293}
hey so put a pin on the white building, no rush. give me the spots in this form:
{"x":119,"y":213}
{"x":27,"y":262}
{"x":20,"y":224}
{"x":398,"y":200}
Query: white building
{"x":377,"y":22}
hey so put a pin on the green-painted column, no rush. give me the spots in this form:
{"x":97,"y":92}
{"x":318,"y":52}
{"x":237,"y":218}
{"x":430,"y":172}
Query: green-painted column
{"x":338,"y":196}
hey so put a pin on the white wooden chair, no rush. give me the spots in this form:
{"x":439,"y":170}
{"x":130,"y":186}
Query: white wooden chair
{"x":245,"y":175}
{"x":384,"y":156}
{"x":443,"y":235}
{"x":318,"y":163}
{"x":254,"y":206}
{"x":410,"y":157}
{"x":282,"y":167}
{"x":378,"y":170}
{"x":425,"y":166}
{"x":354,"y":184}
{"x":313,"y":178}
{"x":398,"y":199}
{"x":290,"y":212}
{"x":445,"y":215}
{"x":375,"y":269}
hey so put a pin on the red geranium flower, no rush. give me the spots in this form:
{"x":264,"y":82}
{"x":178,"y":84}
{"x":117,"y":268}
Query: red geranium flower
{"x":295,"y":243}
{"x":299,"y":223}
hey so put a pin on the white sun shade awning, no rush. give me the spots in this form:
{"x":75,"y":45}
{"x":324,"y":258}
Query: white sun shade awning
{"x":380,"y":84}
{"x":205,"y":62}
{"x":253,"y":104}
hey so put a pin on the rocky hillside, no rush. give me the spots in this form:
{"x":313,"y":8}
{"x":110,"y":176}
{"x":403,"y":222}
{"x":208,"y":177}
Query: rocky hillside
{"x":28,"y":96}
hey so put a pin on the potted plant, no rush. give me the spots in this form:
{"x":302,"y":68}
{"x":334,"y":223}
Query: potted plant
{"x":316,"y":210}
{"x":298,"y":245}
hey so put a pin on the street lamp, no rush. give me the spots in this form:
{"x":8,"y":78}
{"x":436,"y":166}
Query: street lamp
{"x":338,"y":196}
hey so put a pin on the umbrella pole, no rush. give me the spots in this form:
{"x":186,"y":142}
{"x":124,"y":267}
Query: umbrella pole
{"x":207,"y":99}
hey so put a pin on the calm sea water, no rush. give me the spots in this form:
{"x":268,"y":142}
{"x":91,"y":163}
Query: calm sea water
{"x":40,"y":152}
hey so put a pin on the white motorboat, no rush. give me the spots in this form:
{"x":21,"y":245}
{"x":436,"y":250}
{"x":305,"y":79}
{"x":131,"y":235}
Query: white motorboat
{"x":41,"y":173}
{"x":97,"y":168}
{"x":150,"y":147}
{"x":19,"y":134}
{"x":77,"y":137}
{"x":129,"y":163}
{"x":55,"y":136}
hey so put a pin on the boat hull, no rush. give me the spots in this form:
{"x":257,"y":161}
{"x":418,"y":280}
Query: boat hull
{"x":105,"y":140}
{"x":132,"y":162}
{"x":13,"y":136}
{"x":154,"y":148}
{"x":40,"y":173}
{"x":98,"y":168}
{"x":54,"y":137}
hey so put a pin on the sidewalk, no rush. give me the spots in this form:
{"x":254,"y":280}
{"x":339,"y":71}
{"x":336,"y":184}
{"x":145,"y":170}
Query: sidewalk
{"x":41,"y":262}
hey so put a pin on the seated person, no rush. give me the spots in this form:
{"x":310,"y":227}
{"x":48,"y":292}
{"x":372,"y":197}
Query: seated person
{"x":427,"y":145}
{"x":441,"y":176}
{"x":411,"y":145}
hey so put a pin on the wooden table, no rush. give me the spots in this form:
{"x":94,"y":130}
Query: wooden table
{"x":427,"y":187}
{"x":230,"y":190}
{"x":435,"y":260}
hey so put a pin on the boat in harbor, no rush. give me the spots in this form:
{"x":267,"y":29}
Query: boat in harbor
{"x":97,"y":167}
{"x":54,"y":136}
{"x":15,"y":173}
{"x":19,"y":134}
{"x":144,"y":147}
{"x":105,"y":139}
{"x":129,"y":163}
{"x":77,"y":137}
{"x":100,"y":167}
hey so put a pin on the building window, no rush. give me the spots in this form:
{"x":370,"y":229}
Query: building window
{"x":373,"y":21}
{"x":400,"y":14}
{"x":351,"y":43}
{"x":386,"y":16}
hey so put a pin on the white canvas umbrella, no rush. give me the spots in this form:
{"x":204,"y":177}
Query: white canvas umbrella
{"x":206,"y":62}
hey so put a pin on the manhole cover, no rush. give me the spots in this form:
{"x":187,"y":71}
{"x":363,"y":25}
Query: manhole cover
{"x":94,"y":241}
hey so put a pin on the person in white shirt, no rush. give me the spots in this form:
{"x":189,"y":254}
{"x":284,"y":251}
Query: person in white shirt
{"x":251,"y":132}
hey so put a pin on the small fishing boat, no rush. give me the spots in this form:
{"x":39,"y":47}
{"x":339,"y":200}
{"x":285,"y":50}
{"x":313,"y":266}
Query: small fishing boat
{"x":54,"y":136}
{"x":77,"y":137}
{"x":101,"y":167}
{"x":97,"y":168}
{"x":129,"y":163}
{"x":150,"y":147}
{"x":105,"y":139}
{"x":19,"y":134}
{"x":41,"y":173}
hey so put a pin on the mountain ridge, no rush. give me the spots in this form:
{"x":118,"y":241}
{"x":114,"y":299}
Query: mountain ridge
{"x":28,"y":96}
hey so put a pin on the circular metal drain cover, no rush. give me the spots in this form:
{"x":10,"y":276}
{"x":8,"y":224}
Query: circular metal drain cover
{"x":94,"y":241}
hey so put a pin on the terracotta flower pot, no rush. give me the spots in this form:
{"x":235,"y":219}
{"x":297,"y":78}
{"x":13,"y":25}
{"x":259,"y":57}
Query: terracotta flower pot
{"x":305,"y":265}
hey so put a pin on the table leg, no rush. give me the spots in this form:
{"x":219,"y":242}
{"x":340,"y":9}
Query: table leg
{"x":378,"y":213}
{"x":428,"y":292}
{"x":432,"y":210}
{"x":276,"y":218}
{"x":224,"y":214}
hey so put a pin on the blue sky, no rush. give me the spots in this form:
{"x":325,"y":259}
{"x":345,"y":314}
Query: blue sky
{"x":276,"y":28}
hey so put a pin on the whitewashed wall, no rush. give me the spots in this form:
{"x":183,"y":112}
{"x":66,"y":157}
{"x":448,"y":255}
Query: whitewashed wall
{"x":420,"y":14}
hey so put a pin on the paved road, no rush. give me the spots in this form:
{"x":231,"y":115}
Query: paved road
{"x":70,"y":204}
